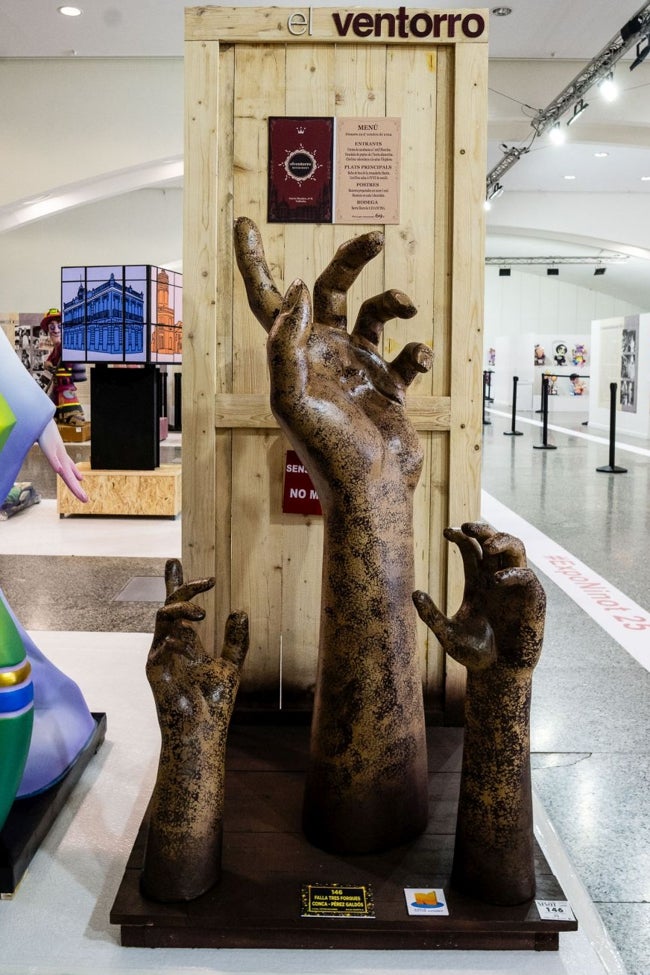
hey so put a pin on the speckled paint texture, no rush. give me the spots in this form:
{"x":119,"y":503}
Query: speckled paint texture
{"x":195,"y":695}
{"x":497,"y":634}
{"x":341,"y":406}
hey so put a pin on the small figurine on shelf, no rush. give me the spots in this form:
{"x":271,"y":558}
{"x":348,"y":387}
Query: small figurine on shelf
{"x":540,"y":355}
{"x":579,"y":355}
{"x":578,"y":385}
{"x":560,"y":354}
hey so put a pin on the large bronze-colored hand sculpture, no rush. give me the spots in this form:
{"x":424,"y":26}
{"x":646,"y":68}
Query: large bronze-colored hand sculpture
{"x":341,"y":406}
{"x":194,"y":694}
{"x":497,"y":634}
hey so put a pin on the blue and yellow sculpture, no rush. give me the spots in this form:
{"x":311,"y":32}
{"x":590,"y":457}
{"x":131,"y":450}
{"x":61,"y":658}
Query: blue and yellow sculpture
{"x":44,"y":720}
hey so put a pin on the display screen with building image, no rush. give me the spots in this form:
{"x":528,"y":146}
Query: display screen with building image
{"x":129,"y":313}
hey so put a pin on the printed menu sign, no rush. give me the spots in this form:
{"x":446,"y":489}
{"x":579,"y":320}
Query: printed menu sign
{"x":367,"y":170}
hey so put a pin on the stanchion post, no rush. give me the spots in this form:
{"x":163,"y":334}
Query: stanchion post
{"x":611,"y":468}
{"x":486,"y":422}
{"x":512,"y":432}
{"x":544,"y":445}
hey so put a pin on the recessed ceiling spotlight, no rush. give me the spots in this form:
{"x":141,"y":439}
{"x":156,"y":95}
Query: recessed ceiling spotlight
{"x":70,"y":11}
{"x":569,"y":177}
{"x":501,"y":11}
{"x":601,"y":155}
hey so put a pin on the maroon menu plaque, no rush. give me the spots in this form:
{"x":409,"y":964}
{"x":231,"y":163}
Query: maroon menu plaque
{"x":300,"y":170}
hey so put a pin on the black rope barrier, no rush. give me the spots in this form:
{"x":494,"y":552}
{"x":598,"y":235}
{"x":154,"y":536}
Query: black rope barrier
{"x":512,"y":432}
{"x":611,"y":468}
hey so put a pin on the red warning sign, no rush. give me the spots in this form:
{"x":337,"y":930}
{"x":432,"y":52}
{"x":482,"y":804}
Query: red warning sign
{"x":299,"y":495}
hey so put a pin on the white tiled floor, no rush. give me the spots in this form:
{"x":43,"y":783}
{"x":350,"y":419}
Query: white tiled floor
{"x":57,"y":923}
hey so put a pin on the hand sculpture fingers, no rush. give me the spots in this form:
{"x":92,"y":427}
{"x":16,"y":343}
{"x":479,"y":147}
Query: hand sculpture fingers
{"x":415,"y":358}
{"x":470,"y":552}
{"x":331,"y":287}
{"x":510,"y":550}
{"x":235,"y":644}
{"x":263,"y":297}
{"x":173,"y":576}
{"x":189,"y":590}
{"x":469,"y":640}
{"x":287,"y":345}
{"x":438,"y":623}
{"x":375,"y":312}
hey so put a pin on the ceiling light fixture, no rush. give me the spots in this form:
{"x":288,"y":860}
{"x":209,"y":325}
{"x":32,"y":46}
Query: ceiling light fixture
{"x":557,"y":135}
{"x":600,"y":270}
{"x":552,"y":271}
{"x":501,"y":11}
{"x":645,"y":179}
{"x":578,"y":110}
{"x":569,"y":177}
{"x":601,"y":155}
{"x":634,"y":31}
{"x":608,"y":88}
{"x":70,"y":11}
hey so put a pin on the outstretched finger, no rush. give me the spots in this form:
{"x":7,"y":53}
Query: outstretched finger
{"x":180,"y":611}
{"x":470,"y":552}
{"x":331,"y":287}
{"x":173,"y":575}
{"x":429,"y":613}
{"x":263,"y":297}
{"x":289,"y":336}
{"x":235,"y":643}
{"x":189,"y":590}
{"x":414,"y":359}
{"x":375,"y":312}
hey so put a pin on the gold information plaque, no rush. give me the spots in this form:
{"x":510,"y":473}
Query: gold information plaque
{"x":332,"y":900}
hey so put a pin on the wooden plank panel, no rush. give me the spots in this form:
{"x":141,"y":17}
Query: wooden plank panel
{"x":200,"y":313}
{"x":308,"y":249}
{"x":256,"y":580}
{"x":222,"y":524}
{"x":467,"y":320}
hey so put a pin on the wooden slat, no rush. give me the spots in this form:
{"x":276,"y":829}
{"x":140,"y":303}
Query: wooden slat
{"x":467,"y":325}
{"x":200,"y":312}
{"x":253,"y":411}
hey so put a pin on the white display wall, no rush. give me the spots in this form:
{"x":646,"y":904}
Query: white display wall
{"x":532,"y":355}
{"x":621,"y":355}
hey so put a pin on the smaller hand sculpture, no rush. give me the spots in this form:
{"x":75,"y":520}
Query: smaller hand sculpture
{"x":195,"y":695}
{"x":497,"y":634}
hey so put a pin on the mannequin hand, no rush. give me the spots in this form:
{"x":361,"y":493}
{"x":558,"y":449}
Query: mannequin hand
{"x":61,"y":463}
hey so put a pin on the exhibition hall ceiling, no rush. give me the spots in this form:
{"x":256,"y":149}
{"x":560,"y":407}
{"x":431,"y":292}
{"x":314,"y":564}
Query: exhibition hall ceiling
{"x":534,"y":52}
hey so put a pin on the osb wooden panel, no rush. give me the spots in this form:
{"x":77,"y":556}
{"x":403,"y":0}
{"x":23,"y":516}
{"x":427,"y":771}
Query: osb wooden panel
{"x":153,"y":493}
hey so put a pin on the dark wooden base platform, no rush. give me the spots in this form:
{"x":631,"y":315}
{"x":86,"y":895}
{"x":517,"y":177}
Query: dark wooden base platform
{"x":29,"y":820}
{"x":266,"y":861}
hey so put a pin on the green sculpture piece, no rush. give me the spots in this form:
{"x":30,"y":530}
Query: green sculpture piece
{"x":497,"y":634}
{"x":195,"y":695}
{"x":341,"y":406}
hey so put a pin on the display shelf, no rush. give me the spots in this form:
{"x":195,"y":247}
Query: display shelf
{"x":155,"y":493}
{"x":266,"y":862}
